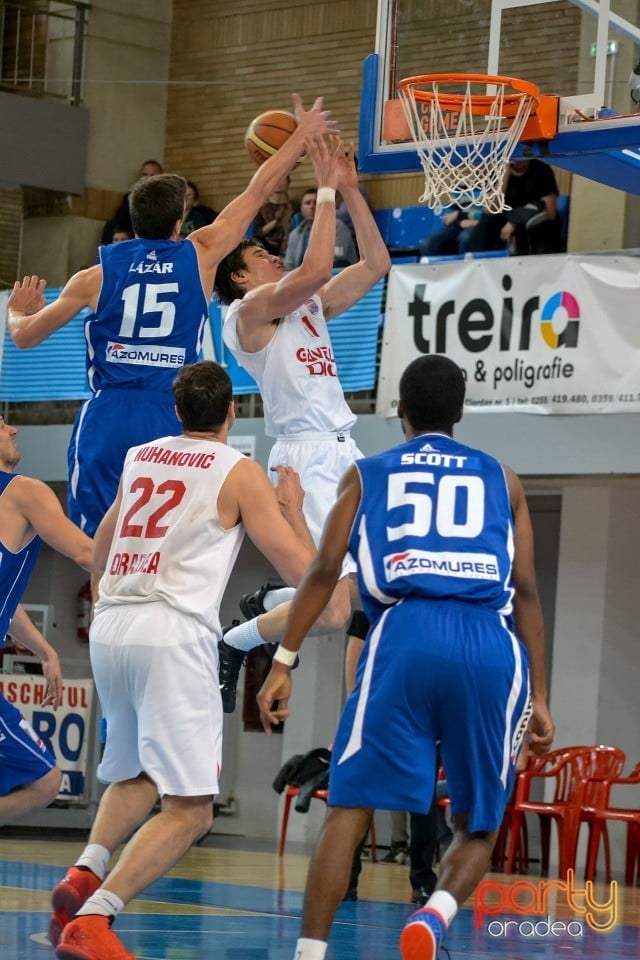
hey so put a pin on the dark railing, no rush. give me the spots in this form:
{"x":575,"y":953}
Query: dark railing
{"x":42,"y":48}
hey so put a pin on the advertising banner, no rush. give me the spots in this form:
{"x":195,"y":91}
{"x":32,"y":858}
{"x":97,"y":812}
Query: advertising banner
{"x":65,"y":732}
{"x":556,"y":334}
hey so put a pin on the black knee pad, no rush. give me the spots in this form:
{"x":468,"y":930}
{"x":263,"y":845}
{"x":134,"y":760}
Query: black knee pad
{"x":358,"y":625}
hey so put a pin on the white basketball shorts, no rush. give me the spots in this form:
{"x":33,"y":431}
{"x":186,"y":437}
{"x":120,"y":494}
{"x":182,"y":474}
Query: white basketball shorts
{"x":321,"y":459}
{"x":156,"y":673}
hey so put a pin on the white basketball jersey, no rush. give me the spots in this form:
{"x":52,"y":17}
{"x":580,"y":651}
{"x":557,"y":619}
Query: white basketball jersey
{"x":296,"y":373}
{"x":168,"y":543}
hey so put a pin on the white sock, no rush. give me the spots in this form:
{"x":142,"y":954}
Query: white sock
{"x":444,"y":904}
{"x":102,"y":902}
{"x":244,"y":637}
{"x":273,"y":598}
{"x":96,"y":858}
{"x":310,"y":949}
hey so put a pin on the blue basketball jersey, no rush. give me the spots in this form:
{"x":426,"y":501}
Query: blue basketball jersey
{"x":150,"y":315}
{"x":434,"y":521}
{"x":15,"y":570}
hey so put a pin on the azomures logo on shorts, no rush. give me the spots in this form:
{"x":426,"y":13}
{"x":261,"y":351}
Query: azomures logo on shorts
{"x":466,"y":566}
{"x":149,"y":355}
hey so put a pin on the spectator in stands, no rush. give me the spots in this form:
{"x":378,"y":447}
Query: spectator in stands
{"x":344,"y":252}
{"x":119,"y":234}
{"x":454,"y":236}
{"x":275,"y":220}
{"x":121,"y":219}
{"x":196,"y":214}
{"x":531,"y":225}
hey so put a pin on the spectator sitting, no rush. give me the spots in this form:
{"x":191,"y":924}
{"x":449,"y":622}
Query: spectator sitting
{"x":122,"y":216}
{"x":345,"y":249}
{"x":119,"y":234}
{"x":274,"y":221}
{"x":531,"y":225}
{"x":196,"y":214}
{"x":455,"y":236}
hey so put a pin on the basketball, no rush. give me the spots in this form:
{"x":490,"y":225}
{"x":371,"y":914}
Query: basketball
{"x":267,"y":133}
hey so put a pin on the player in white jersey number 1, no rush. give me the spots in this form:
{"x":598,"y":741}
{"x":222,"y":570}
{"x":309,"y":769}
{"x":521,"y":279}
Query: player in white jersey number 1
{"x":167,"y":545}
{"x":442,"y":536}
{"x":276,"y":327}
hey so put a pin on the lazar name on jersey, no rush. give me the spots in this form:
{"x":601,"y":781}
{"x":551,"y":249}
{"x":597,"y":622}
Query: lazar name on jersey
{"x":153,"y":267}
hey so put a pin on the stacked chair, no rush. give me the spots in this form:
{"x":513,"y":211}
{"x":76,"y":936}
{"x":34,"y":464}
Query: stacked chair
{"x":582,"y":777}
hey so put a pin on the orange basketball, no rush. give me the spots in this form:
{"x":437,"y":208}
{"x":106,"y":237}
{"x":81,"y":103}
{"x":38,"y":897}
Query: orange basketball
{"x":267,"y":133}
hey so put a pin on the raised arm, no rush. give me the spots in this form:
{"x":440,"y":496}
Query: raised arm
{"x":270,"y":301}
{"x":351,"y":284}
{"x":216,"y":240}
{"x":30,"y":320}
{"x":528,"y":615}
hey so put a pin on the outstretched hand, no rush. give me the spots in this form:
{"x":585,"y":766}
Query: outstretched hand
{"x":316,"y":121}
{"x":273,"y":696}
{"x":325,"y":156}
{"x":347,"y":170}
{"x":27,"y":296}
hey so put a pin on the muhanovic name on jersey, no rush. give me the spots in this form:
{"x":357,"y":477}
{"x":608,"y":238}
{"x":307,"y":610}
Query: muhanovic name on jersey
{"x":149,"y":355}
{"x":467,"y":566}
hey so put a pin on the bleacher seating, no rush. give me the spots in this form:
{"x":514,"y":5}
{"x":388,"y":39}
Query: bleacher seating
{"x":402,"y":228}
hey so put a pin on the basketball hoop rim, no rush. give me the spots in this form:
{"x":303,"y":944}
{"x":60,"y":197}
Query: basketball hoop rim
{"x":454,"y":101}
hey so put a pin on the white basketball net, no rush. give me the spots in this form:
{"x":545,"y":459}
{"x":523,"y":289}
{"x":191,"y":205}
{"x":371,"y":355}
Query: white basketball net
{"x":464,"y":155}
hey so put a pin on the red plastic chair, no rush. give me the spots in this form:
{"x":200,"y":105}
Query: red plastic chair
{"x":564,"y":809}
{"x":581,"y":774}
{"x":625,"y":815}
{"x":605,"y":765}
{"x":289,"y":795}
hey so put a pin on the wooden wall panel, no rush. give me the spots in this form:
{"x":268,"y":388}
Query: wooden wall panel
{"x":230,"y":61}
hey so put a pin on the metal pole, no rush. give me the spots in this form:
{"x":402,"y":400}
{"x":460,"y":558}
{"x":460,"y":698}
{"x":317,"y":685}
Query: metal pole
{"x":78,"y":50}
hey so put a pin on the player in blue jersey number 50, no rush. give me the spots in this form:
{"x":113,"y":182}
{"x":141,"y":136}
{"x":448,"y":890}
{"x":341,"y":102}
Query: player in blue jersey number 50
{"x":443,"y":542}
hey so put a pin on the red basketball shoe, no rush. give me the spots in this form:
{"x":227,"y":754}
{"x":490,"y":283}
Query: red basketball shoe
{"x":67,"y":898}
{"x":91,"y":938}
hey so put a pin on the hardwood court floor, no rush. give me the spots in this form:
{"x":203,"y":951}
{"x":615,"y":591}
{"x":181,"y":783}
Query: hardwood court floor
{"x":223,"y":903}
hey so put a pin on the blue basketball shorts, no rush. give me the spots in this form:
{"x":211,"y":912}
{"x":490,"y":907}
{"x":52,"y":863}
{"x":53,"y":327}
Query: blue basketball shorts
{"x":434,"y":671}
{"x":23,"y":756}
{"x":106,"y":427}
